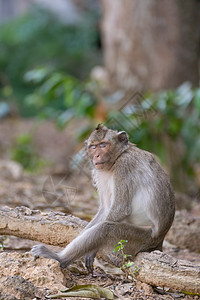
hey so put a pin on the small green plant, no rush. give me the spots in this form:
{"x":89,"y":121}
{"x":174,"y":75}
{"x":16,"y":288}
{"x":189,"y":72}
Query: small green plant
{"x":24,"y":153}
{"x":3,"y":238}
{"x":1,"y":246}
{"x":127,"y":263}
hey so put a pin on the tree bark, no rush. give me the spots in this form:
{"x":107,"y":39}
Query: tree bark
{"x":150,"y":44}
{"x":160,"y":269}
{"x":55,"y":228}
{"x":52,"y":228}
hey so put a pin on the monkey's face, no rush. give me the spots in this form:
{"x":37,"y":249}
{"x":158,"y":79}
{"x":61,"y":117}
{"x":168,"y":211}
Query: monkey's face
{"x":104,"y":146}
{"x":100,"y":155}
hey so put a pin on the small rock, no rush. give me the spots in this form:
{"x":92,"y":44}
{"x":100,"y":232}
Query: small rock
{"x":18,"y":287}
{"x":141,"y":286}
{"x":10,"y":170}
{"x":7,"y":297}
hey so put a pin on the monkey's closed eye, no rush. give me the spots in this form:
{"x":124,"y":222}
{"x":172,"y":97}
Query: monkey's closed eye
{"x":103,"y":145}
{"x":92,"y":146}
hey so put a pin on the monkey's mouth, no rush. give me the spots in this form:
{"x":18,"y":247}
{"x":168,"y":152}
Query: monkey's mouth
{"x":100,"y":163}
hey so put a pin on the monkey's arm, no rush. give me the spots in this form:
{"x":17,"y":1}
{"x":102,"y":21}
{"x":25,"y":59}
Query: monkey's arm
{"x":89,"y":257}
{"x":122,"y":200}
{"x":97,"y":218}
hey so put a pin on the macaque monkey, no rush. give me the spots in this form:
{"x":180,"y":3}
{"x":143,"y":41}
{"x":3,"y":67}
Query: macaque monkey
{"x":136,"y":201}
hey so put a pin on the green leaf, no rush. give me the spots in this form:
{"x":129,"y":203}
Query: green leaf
{"x":116,"y":248}
{"x":65,"y":117}
{"x":36,"y":75}
{"x":129,"y":264}
{"x":117,"y":244}
{"x":197,"y":99}
{"x":190,"y":293}
{"x":51,"y":83}
{"x":175,"y":126}
{"x":85,"y":291}
{"x":123,"y":241}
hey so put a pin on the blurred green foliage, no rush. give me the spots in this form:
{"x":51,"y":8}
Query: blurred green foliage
{"x":39,"y":39}
{"x":24,"y":153}
{"x":59,"y":96}
{"x":167,"y":124}
{"x":173,"y":115}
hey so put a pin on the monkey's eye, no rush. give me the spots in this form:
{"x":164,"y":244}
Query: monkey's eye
{"x":103,"y":145}
{"x":92,"y":146}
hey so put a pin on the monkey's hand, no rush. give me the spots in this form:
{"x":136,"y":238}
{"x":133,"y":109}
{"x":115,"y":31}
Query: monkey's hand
{"x":38,"y":250}
{"x":89,"y":261}
{"x":41,"y":250}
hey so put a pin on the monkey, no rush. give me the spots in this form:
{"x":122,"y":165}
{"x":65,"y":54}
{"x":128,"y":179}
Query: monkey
{"x":136,"y":200}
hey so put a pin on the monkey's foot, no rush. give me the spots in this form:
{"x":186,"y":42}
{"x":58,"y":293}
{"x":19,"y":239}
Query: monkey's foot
{"x":38,"y":250}
{"x":64,"y":264}
{"x":89,"y":262}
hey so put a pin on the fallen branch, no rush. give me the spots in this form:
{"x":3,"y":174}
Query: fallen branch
{"x":52,"y":228}
{"x":160,"y":269}
{"x":55,"y":228}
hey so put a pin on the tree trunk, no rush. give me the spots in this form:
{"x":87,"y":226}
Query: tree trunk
{"x":150,"y":44}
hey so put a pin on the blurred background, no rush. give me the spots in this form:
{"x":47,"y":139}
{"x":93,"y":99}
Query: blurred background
{"x":67,"y":65}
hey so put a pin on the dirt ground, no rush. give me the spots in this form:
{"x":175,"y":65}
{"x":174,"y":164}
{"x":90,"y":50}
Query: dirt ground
{"x":62,"y":187}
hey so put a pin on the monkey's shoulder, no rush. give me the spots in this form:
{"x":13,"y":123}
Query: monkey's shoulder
{"x":135,"y":155}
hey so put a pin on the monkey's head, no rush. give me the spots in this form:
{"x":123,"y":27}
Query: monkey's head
{"x":105,"y":145}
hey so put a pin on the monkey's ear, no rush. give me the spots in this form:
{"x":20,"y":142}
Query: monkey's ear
{"x":99,"y":126}
{"x":123,"y":137}
{"x":85,"y":143}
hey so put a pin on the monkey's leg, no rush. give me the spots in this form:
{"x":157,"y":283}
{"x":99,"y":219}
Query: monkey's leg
{"x":105,"y":233}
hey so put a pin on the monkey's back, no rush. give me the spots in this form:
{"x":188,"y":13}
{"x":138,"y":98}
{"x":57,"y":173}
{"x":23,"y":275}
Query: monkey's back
{"x":152,"y":194}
